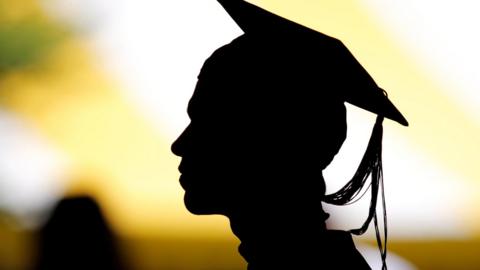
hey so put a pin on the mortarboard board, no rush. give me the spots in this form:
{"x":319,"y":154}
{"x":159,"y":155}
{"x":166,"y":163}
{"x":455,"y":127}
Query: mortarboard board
{"x":357,"y":88}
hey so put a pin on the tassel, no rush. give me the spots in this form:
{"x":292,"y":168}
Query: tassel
{"x":371,"y":164}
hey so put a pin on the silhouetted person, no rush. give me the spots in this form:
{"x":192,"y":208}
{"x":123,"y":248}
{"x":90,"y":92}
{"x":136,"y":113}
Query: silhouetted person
{"x":77,"y":237}
{"x":267,"y":116}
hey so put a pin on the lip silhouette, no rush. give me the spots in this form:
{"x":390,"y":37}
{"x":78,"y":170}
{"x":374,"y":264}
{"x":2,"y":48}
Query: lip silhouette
{"x":184,"y":182}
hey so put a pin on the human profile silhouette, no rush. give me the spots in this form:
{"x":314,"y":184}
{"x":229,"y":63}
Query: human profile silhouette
{"x":267,"y":116}
{"x":77,"y":237}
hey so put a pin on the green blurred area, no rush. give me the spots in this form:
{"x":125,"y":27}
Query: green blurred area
{"x":24,"y":43}
{"x":26,"y":34}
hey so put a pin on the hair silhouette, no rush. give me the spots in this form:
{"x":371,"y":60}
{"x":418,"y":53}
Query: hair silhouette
{"x":267,"y":116}
{"x":76,"y":236}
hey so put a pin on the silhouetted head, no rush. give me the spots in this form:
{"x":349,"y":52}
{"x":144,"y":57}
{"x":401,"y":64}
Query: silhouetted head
{"x":255,"y":128}
{"x":76,"y":236}
{"x":268,"y":115}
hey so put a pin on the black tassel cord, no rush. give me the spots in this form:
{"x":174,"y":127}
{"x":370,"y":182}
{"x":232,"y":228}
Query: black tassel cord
{"x":371,"y":164}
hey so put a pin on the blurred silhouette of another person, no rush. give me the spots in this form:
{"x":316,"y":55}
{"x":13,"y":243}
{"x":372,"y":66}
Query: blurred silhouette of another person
{"x":76,"y":236}
{"x":267,"y":116}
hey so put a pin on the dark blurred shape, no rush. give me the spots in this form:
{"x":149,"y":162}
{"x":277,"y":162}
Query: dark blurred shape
{"x":77,"y":237}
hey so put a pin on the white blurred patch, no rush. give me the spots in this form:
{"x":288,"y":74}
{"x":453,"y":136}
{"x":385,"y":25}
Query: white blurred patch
{"x":443,"y":36}
{"x":30,"y":170}
{"x":156,"y":48}
{"x":82,"y":15}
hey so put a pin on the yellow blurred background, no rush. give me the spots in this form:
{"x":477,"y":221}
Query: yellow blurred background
{"x":92,"y":93}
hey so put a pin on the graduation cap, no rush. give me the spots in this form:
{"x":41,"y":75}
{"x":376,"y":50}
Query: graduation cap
{"x":354,"y":85}
{"x":365,"y":93}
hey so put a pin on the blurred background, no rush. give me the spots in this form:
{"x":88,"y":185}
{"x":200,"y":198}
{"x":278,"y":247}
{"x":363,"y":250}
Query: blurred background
{"x":93,"y":92}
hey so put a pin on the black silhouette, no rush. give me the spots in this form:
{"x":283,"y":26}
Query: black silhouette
{"x":76,"y":237}
{"x":267,"y":116}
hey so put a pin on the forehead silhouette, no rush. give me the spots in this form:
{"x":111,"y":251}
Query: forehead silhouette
{"x":253,"y":73}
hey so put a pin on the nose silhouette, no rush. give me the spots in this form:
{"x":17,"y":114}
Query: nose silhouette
{"x":178,"y":146}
